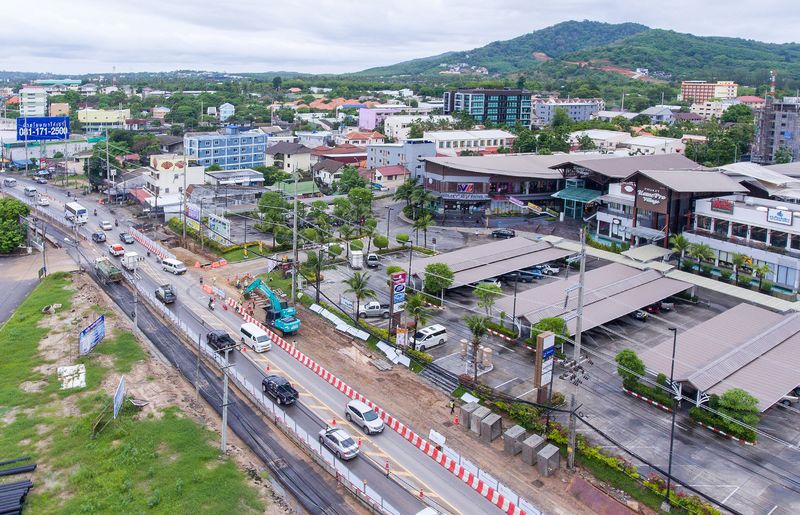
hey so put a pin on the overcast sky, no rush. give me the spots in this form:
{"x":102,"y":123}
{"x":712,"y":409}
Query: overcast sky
{"x":328,"y":36}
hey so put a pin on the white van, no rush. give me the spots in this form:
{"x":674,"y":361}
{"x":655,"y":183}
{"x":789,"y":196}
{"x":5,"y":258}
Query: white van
{"x":255,"y":337}
{"x":174,"y":266}
{"x":30,"y":191}
{"x":9,"y":181}
{"x":430,"y":336}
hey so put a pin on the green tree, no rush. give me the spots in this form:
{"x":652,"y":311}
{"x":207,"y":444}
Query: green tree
{"x":586,"y":143}
{"x":423,"y":223}
{"x":402,"y":238}
{"x":361,"y":200}
{"x":477,"y":328}
{"x":356,"y":245}
{"x":276,"y":82}
{"x":761,"y":271}
{"x":393,"y":269}
{"x":679,"y":244}
{"x":438,"y":277}
{"x":739,"y":113}
{"x":700,"y":252}
{"x":738,"y":260}
{"x":561,"y":120}
{"x":406,"y":190}
{"x":740,"y":406}
{"x":629,"y":367}
{"x":487,"y":294}
{"x":335,"y":250}
{"x":315,"y":260}
{"x":214,"y":168}
{"x":273,"y":208}
{"x":418,"y":311}
{"x":783,"y":155}
{"x":358,"y":285}
{"x":368,"y":230}
{"x":381,"y":242}
{"x":272,"y":174}
{"x":350,"y":180}
{"x":12,"y":232}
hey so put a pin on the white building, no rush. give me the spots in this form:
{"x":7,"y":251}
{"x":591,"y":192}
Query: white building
{"x":452,"y":143}
{"x":165,"y":175}
{"x":226,"y":111}
{"x":398,"y":126}
{"x":602,"y":139}
{"x":651,"y":145}
{"x":710,"y":109}
{"x":33,"y":101}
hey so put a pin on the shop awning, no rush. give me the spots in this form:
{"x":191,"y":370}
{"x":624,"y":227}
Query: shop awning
{"x":584,"y":195}
{"x":647,"y":233}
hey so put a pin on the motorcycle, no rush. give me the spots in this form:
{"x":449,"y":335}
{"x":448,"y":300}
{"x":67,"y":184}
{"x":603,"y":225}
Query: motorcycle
{"x":95,"y":212}
{"x":211,"y":304}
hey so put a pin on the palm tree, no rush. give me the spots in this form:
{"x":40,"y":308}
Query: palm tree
{"x":761,"y":272}
{"x":700,"y":252}
{"x":420,"y":198}
{"x":739,"y":260}
{"x":405,"y":191}
{"x":423,"y":223}
{"x":358,"y":285}
{"x":477,"y":326}
{"x":418,"y":310}
{"x":679,"y":244}
{"x":369,"y":230}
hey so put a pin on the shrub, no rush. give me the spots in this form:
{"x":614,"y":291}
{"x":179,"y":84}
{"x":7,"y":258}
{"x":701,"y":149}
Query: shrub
{"x":745,"y":281}
{"x":419,"y":356}
{"x":705,"y":270}
{"x":523,"y":414}
{"x":766,"y":286}
{"x":557,"y":399}
{"x":726,"y":275}
{"x":710,"y":419}
{"x":506,"y":331}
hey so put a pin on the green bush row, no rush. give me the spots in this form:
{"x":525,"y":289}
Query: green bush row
{"x":422,"y":357}
{"x":710,"y":419}
{"x":614,"y":247}
{"x":506,"y":331}
{"x":651,"y":392}
{"x":523,"y":414}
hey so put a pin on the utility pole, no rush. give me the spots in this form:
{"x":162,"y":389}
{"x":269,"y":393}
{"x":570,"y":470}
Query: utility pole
{"x":294,"y":243}
{"x":667,"y":504}
{"x":320,"y":257}
{"x":579,"y":312}
{"x":183,"y":198}
{"x":224,"y":440}
{"x":108,"y":168}
{"x":197,"y":365}
{"x":388,"y":219}
{"x":571,"y":444}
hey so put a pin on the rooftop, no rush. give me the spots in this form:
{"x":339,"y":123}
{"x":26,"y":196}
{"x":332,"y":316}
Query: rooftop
{"x":286,"y":147}
{"x":693,"y":181}
{"x":478,"y":134}
{"x":620,"y":167}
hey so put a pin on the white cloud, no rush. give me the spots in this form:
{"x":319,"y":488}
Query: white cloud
{"x":326,"y":35}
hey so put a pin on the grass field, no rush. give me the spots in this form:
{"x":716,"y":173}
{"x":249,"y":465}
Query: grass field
{"x":163,"y":463}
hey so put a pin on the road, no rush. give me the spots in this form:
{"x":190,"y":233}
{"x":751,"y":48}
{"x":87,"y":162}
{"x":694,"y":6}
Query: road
{"x":320,"y":401}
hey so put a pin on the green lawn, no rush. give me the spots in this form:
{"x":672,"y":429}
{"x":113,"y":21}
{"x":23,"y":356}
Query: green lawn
{"x":165,"y":464}
{"x":276,"y":281}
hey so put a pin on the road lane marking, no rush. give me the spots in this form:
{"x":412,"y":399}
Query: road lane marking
{"x":505,"y":383}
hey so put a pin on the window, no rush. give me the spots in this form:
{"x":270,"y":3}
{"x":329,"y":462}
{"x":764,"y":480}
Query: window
{"x":795,"y":242}
{"x":739,"y":230}
{"x":721,"y":227}
{"x":758,"y":234}
{"x":703,"y":223}
{"x":778,"y":239}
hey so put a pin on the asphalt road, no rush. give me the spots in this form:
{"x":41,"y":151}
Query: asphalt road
{"x":320,"y":402}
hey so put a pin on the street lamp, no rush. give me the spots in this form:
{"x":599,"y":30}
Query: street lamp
{"x":77,"y":250}
{"x":665,"y":506}
{"x":388,"y":219}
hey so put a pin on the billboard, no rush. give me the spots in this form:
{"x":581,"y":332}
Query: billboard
{"x":651,"y":196}
{"x":119,"y":396}
{"x":92,"y":335}
{"x":219,"y":229}
{"x":192,"y":211}
{"x":398,"y":288}
{"x":42,"y":128}
{"x":779,"y":216}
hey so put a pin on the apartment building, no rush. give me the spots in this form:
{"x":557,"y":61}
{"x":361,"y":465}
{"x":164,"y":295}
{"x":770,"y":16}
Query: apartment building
{"x":409,"y":154}
{"x":169,"y":173}
{"x":59,"y":109}
{"x":710,"y":109}
{"x":544,"y":109}
{"x":452,"y":143}
{"x":398,"y":126}
{"x":777,"y":126}
{"x":500,"y":106}
{"x":230,"y":148}
{"x":226,"y":111}
{"x":33,"y":101}
{"x":702,"y":91}
{"x":97,"y":121}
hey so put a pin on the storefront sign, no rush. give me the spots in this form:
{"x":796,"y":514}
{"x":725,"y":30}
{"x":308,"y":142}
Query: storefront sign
{"x":651,"y":196}
{"x":628,"y":188}
{"x":466,"y":187}
{"x":779,"y":216}
{"x":722,"y":205}
{"x":465,"y":196}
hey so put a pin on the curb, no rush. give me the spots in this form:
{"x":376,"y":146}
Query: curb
{"x":501,"y":336}
{"x":426,"y":447}
{"x":648,"y":401}
{"x":726,"y":435}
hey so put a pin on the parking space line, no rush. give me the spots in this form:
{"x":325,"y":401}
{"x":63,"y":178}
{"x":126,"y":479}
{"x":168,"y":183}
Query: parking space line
{"x":730,"y":495}
{"x":526,"y":393}
{"x":445,"y":357}
{"x":505,"y":383}
{"x":773,"y":509}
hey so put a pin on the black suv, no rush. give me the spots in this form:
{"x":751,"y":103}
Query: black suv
{"x":279,"y":389}
{"x":219,"y":340}
{"x":503,"y":233}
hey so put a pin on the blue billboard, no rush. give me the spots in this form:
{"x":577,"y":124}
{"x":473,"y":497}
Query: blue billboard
{"x":42,"y":128}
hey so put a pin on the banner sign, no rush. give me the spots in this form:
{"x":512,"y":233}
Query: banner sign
{"x":119,"y":396}
{"x":42,"y":128}
{"x":92,"y":335}
{"x":466,"y":187}
{"x":192,"y":211}
{"x":779,"y":216}
{"x":219,"y":229}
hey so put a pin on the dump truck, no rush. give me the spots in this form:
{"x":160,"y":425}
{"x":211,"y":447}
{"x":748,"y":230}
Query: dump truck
{"x":107,"y":271}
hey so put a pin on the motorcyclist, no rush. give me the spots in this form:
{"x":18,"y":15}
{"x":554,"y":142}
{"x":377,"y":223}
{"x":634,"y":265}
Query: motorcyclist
{"x":95,"y":212}
{"x":116,"y":223}
{"x":211,"y":303}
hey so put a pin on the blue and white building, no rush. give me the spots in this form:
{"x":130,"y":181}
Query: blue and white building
{"x":409,"y":153}
{"x":231,"y":148}
{"x":226,"y":111}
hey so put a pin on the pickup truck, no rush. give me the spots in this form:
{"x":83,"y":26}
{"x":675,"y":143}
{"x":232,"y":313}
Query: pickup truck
{"x":374,"y":309}
{"x":219,"y":340}
{"x":106,"y":271}
{"x":373,"y":261}
{"x":115,"y":249}
{"x":546,"y":269}
{"x":279,"y":389}
{"x":166,"y":293}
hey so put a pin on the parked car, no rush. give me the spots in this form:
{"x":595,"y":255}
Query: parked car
{"x":106,"y":225}
{"x":166,"y":293}
{"x":126,"y":238}
{"x":279,"y":389}
{"x":523,"y":276}
{"x":430,"y":336}
{"x":339,"y":442}
{"x":98,"y":237}
{"x":374,"y":309}
{"x":546,"y":269}
{"x":219,"y":340}
{"x":363,"y":416}
{"x":639,"y":315}
{"x":503,"y":233}
{"x":43,"y":201}
{"x":373,"y":261}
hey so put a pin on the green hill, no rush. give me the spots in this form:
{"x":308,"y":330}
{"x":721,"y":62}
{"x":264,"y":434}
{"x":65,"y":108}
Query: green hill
{"x":693,"y":57}
{"x":517,"y":54}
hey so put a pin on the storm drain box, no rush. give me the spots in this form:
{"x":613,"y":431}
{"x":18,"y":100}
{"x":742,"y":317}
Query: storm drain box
{"x":466,"y":413}
{"x":531,"y":447}
{"x":512,"y":440}
{"x":475,"y":419}
{"x":491,"y":427}
{"x":549,"y":460}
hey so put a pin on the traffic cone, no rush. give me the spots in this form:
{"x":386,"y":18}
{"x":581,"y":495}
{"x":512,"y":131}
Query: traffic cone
{"x":267,"y":367}
{"x":197,"y":264}
{"x":333,"y":422}
{"x":455,"y":420}
{"x":359,"y":443}
{"x":421,"y":494}
{"x":386,"y":467}
{"x":244,"y":349}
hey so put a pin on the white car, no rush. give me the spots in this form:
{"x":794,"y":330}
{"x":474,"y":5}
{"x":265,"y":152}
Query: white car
{"x":339,"y":442}
{"x":106,"y":225}
{"x":362,"y":415}
{"x":43,"y":201}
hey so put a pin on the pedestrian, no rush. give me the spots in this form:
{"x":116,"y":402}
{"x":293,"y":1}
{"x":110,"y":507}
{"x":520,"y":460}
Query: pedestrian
{"x":201,"y":280}
{"x":452,"y":406}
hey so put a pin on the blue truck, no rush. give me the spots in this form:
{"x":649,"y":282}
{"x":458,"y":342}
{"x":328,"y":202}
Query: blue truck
{"x":279,"y":315}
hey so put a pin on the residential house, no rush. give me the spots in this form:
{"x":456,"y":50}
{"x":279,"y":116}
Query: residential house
{"x":136,"y":124}
{"x":328,"y":171}
{"x":96,"y":121}
{"x":659,"y":114}
{"x":345,"y":153}
{"x":313,"y":139}
{"x":241,"y":177}
{"x":170,"y":144}
{"x":607,"y":116}
{"x":361,"y":138}
{"x":171,"y":173}
{"x":226,"y":111}
{"x":289,"y":157}
{"x":652,"y":145}
{"x":398,"y":127}
{"x":160,"y":112}
{"x":751,"y":101}
{"x":59,"y":109}
{"x":687,"y":117}
{"x":603,"y":140}
{"x":389,"y":176}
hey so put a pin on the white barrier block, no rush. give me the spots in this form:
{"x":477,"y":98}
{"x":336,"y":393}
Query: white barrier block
{"x":529,"y":508}
{"x":342,"y":469}
{"x":388,"y":508}
{"x":452,"y":454}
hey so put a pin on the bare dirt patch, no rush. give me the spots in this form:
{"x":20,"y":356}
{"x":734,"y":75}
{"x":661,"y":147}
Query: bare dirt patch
{"x":403,"y":393}
{"x":32,"y":386}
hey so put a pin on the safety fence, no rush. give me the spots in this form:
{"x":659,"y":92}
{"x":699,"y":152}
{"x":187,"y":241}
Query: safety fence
{"x":497,"y":493}
{"x":150,"y":245}
{"x":337,"y":468}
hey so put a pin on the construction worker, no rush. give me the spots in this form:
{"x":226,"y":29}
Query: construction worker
{"x":452,"y":406}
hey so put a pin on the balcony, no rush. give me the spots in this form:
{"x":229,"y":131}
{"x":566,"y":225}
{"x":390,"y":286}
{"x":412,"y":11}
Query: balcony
{"x":750,"y":244}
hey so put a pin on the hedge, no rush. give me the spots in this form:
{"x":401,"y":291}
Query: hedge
{"x":710,"y":419}
{"x":506,"y":331}
{"x":653,"y":393}
{"x":523,"y":414}
{"x":616,"y":248}
{"x":419,"y":356}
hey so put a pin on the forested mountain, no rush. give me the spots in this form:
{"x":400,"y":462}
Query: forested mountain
{"x":518,"y":53}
